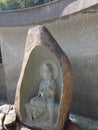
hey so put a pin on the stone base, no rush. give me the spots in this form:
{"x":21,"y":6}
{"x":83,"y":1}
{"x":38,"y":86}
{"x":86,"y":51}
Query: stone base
{"x":8,"y":120}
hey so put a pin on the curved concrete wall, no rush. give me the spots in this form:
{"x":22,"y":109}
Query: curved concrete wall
{"x":44,"y":13}
{"x":77,"y":35}
{"x":34,"y":15}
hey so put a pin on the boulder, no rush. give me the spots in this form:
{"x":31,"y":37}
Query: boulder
{"x":44,"y":88}
{"x":5,"y":108}
{"x":25,"y":128}
{"x":10,"y":118}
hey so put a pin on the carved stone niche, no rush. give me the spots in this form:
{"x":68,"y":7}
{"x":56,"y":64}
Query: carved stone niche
{"x":44,"y":88}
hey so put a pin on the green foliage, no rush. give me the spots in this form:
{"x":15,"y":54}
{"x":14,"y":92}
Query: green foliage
{"x":30,"y":3}
{"x":14,"y":4}
{"x":3,"y":6}
{"x":19,"y":4}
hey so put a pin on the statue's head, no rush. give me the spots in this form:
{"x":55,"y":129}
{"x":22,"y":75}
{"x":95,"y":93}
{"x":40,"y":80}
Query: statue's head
{"x":48,"y":69}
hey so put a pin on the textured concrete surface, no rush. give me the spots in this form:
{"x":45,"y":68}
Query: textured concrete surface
{"x":44,"y":13}
{"x":12,"y":41}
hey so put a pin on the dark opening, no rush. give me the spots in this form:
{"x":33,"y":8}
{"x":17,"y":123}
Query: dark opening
{"x":0,"y":56}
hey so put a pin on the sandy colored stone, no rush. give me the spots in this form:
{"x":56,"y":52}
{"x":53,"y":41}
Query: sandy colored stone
{"x":7,"y":116}
{"x":6,"y":108}
{"x":25,"y":128}
{"x":1,"y":124}
{"x":10,"y":118}
{"x":1,"y":127}
{"x":40,"y":47}
{"x":2,"y":116}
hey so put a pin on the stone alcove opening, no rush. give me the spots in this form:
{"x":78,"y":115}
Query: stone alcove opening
{"x":32,"y":77}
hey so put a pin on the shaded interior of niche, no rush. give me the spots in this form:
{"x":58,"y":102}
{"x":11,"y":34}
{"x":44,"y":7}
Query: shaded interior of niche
{"x":31,"y":77}
{"x":3,"y":97}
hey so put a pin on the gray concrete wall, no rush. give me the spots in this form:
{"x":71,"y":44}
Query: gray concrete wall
{"x":34,"y":15}
{"x":78,"y":37}
{"x":12,"y":42}
{"x":44,"y":13}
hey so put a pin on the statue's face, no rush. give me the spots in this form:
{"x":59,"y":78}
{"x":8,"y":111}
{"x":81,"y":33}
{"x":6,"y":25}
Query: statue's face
{"x":46,"y":72}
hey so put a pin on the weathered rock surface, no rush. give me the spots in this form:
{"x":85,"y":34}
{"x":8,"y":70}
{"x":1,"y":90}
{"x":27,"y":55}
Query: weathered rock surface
{"x":10,"y":118}
{"x":42,"y":47}
{"x":9,"y":122}
{"x":7,"y":116}
{"x":5,"y":108}
{"x":25,"y":128}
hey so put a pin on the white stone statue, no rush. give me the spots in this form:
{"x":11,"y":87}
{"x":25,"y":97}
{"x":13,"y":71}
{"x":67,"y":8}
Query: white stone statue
{"x":42,"y":106}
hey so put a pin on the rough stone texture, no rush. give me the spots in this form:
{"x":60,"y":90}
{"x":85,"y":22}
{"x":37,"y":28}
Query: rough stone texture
{"x":25,"y":128}
{"x":19,"y":126}
{"x":5,"y":108}
{"x":7,"y":116}
{"x":10,"y":118}
{"x":2,"y":116}
{"x":1,"y":126}
{"x":40,"y":40}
